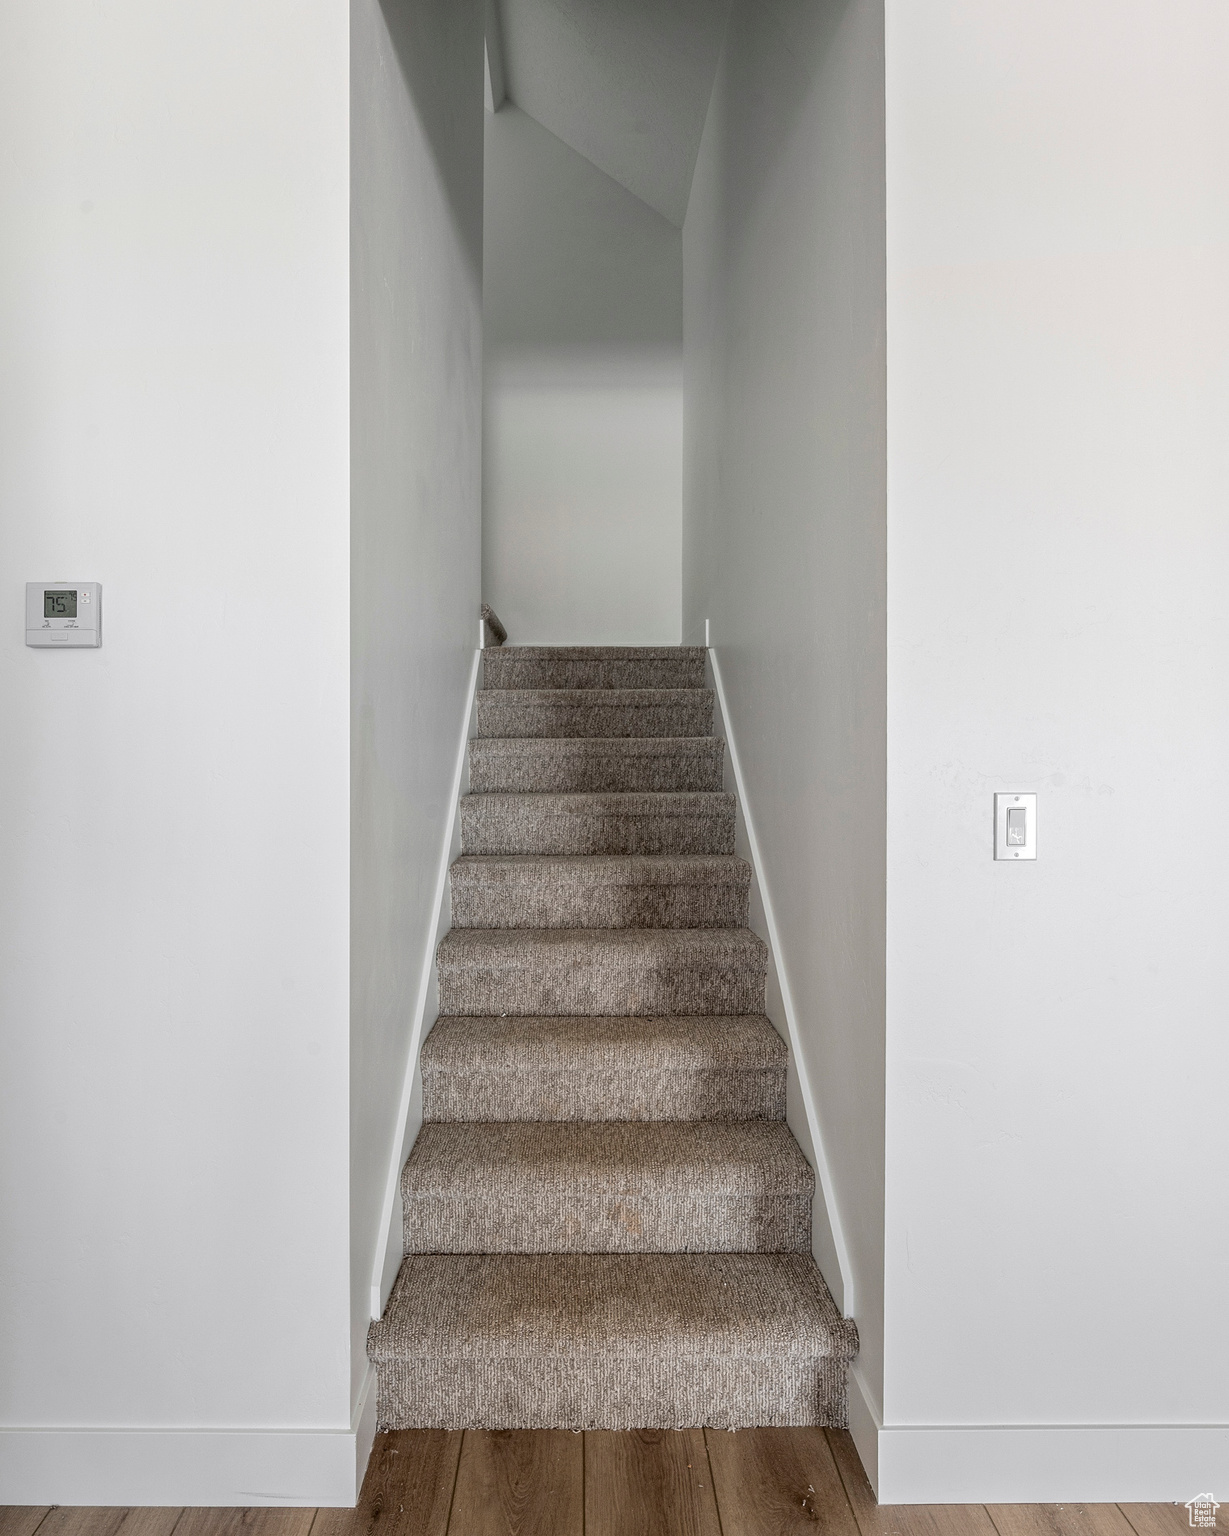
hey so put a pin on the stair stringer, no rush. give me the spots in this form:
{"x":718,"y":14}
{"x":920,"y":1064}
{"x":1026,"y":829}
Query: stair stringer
{"x":828,"y":1245}
{"x":389,"y":1248}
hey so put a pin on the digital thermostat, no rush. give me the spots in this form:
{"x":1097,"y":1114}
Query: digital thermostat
{"x":66,"y":613}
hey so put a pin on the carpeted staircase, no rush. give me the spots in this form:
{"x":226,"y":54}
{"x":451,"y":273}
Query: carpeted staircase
{"x":607,"y":1223}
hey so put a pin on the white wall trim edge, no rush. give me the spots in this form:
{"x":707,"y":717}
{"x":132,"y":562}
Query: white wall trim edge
{"x":865,"y":1423}
{"x":388,"y":1248}
{"x":193,"y":1467}
{"x":846,"y":1301}
{"x":1049,"y":1463}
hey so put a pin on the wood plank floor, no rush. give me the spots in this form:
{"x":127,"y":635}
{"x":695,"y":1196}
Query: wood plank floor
{"x":757,"y":1482}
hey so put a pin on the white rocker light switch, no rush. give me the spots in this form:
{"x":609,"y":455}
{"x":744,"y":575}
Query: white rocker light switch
{"x":1015,"y":826}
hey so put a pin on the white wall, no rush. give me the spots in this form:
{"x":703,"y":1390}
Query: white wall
{"x":174,"y":807}
{"x":626,"y":85}
{"x":784,"y":532}
{"x":582,"y":470}
{"x":415,"y":552}
{"x":1058,"y":552}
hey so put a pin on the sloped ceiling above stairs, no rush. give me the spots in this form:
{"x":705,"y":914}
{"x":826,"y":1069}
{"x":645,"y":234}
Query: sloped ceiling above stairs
{"x":626,"y":83}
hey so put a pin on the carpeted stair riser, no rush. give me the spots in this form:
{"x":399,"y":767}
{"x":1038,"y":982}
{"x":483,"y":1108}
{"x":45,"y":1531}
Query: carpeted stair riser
{"x":500,"y":1393}
{"x":684,"y":1187}
{"x":597,"y":823}
{"x":576,"y":1341}
{"x":613,"y":971}
{"x":530,"y":666}
{"x":596,"y":1069}
{"x":596,"y":712}
{"x":600,"y":891}
{"x":595,"y":765}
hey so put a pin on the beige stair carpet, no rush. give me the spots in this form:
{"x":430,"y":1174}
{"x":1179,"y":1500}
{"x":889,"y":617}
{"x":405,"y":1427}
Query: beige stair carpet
{"x":587,"y":765}
{"x":594,"y":712}
{"x":650,"y":823}
{"x":600,"y":890}
{"x":607,"y":1222}
{"x":675,"y":1186}
{"x":602,"y":1068}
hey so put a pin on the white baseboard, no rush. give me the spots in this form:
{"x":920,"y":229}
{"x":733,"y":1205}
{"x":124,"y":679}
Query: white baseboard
{"x":190,"y":1467}
{"x":865,"y":1424}
{"x":363,"y":1425}
{"x":1035,"y":1463}
{"x":1046,"y":1464}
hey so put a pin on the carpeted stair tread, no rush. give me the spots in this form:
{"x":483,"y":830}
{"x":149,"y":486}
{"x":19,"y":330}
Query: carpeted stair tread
{"x":708,"y":1186}
{"x":618,"y":1341}
{"x":601,"y":971}
{"x":594,"y":712}
{"x":701,"y":890}
{"x":610,"y":822}
{"x":576,"y":1068}
{"x":593,"y":666}
{"x":587,"y":764}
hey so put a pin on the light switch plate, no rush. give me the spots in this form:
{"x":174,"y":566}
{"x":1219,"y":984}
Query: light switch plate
{"x":1007,"y":830}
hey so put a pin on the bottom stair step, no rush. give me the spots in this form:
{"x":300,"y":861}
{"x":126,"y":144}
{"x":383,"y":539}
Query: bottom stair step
{"x":610,"y":1341}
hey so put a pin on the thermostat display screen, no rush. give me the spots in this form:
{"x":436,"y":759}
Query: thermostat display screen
{"x":59,"y":605}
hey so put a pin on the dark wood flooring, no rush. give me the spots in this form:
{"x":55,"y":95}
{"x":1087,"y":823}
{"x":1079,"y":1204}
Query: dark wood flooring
{"x":757,"y":1482}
